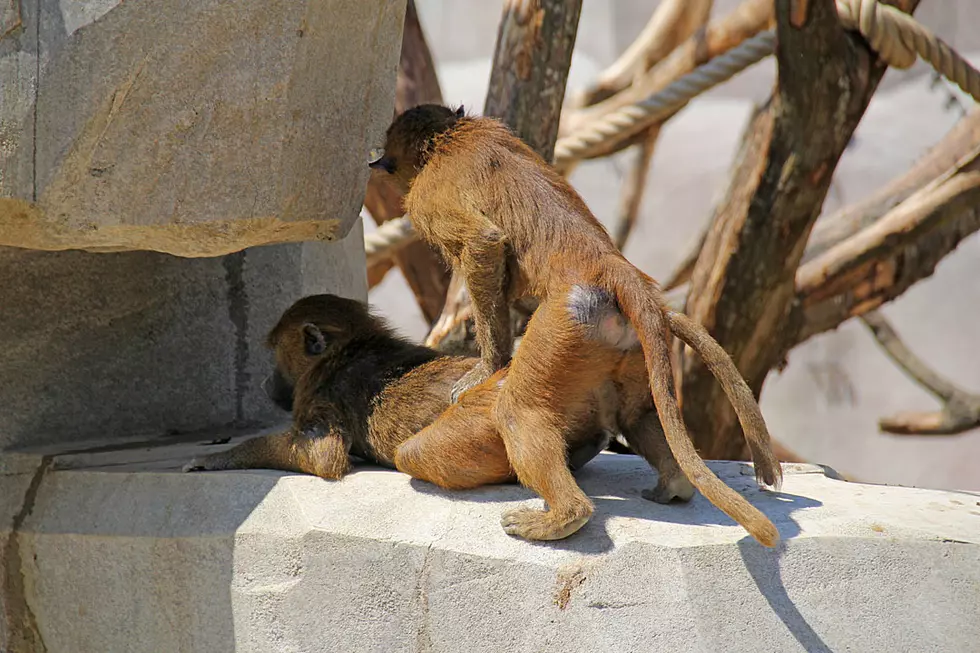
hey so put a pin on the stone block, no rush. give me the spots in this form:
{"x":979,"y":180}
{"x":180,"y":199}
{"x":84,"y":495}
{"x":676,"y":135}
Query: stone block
{"x":119,"y":553}
{"x":190,"y":127}
{"x":131,"y":343}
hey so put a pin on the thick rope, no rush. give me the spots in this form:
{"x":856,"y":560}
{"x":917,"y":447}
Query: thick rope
{"x":895,"y":36}
{"x":634,"y":118}
{"x":389,"y":237}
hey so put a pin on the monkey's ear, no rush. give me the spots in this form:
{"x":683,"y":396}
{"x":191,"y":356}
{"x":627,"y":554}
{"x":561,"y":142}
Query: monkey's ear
{"x":460,"y":112}
{"x":313,"y":340}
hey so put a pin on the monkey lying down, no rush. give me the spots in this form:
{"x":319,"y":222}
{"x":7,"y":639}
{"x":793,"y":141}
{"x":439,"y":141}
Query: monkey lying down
{"x":354,"y":387}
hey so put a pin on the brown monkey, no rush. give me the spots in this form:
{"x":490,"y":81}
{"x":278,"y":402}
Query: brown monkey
{"x":355,"y":387}
{"x":513,"y":226}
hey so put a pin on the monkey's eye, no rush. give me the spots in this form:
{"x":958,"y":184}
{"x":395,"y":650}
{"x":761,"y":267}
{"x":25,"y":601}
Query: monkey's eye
{"x":378,"y":160}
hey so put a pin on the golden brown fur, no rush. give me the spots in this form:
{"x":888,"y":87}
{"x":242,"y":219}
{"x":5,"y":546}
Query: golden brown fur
{"x":354,"y":387}
{"x":513,"y":226}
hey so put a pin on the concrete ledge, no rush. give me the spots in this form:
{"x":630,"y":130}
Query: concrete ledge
{"x":115,"y":551}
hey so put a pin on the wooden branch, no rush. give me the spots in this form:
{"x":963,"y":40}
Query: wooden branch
{"x":838,"y":227}
{"x":881,"y":262}
{"x":672,"y":22}
{"x":960,"y":409}
{"x":633,"y":187}
{"x":747,"y":20}
{"x":527,"y":88}
{"x":742,"y":287}
{"x":683,"y":273}
{"x":424,"y":270}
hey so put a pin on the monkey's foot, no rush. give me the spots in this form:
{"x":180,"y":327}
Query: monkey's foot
{"x":195,"y":465}
{"x":203,"y":464}
{"x":535,"y":524}
{"x":666,"y":491}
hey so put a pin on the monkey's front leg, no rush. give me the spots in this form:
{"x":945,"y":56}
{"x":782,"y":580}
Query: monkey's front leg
{"x":483,"y":266}
{"x":318,"y":451}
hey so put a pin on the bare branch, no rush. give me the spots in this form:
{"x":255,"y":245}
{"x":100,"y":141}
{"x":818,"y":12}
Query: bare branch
{"x":961,"y":409}
{"x":747,"y":20}
{"x":427,"y":275}
{"x":881,"y":262}
{"x":633,"y":187}
{"x":672,"y":22}
{"x":837,"y":227}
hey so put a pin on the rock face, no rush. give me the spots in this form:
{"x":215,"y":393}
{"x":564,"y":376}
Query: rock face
{"x":111,"y":345}
{"x":195,"y":128}
{"x":114,"y":551}
{"x":191,"y":127}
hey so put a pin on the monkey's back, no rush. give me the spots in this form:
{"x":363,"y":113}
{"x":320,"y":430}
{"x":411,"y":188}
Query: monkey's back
{"x":481,"y":166}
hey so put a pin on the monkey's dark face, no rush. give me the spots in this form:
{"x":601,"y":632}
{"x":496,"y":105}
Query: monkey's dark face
{"x":279,"y":390}
{"x":407,"y":139}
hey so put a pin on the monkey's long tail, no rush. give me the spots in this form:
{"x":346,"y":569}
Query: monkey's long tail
{"x":639,"y":299}
{"x":767,"y":468}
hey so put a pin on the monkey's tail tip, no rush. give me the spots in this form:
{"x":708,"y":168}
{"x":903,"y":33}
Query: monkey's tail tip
{"x":765,"y":533}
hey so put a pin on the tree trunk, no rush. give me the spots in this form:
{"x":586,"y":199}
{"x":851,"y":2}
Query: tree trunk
{"x":530,"y":68}
{"x":743,"y":285}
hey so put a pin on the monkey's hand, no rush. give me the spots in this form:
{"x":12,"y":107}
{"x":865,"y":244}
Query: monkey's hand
{"x":475,"y":376}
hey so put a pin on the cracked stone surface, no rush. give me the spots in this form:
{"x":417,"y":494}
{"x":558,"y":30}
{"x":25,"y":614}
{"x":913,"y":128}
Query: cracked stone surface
{"x":120,"y":552}
{"x":190,"y":127}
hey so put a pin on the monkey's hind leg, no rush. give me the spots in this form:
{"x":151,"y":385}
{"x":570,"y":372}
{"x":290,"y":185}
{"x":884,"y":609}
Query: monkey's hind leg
{"x":460,"y":450}
{"x":323,"y":455}
{"x":549,"y":389}
{"x":646,"y":437}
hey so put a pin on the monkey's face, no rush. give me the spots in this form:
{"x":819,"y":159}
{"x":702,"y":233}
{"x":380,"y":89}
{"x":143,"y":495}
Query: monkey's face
{"x":408,"y":139}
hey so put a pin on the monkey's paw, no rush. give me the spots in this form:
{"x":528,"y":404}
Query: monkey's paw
{"x":667,"y":490}
{"x":475,"y":376}
{"x":535,"y":524}
{"x":198,"y":464}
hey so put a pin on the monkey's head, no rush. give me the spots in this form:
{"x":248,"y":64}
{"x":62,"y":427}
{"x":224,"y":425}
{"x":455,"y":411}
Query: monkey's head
{"x":310,"y":330}
{"x":408,"y":140}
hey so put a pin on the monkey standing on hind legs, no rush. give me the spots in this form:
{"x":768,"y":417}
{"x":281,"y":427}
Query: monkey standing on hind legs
{"x":513,"y":226}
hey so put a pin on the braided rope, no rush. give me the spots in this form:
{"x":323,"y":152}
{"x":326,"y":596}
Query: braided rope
{"x":631,"y":119}
{"x":896,"y":37}
{"x":388,"y":238}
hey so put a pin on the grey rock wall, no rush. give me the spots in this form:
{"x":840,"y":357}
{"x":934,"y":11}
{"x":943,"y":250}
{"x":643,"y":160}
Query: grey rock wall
{"x":192,"y":127}
{"x":117,"y":553}
{"x":112,"y":345}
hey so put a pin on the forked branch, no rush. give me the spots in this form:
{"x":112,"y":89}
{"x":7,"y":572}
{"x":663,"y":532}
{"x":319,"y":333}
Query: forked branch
{"x":960,"y":409}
